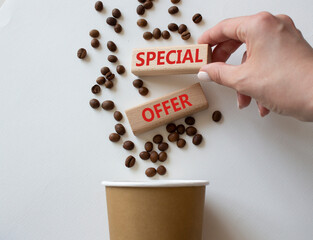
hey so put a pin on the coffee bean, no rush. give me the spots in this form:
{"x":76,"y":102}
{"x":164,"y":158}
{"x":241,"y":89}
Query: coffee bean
{"x":140,"y":10}
{"x":130,"y":161}
{"x":104,"y":70}
{"x":94,"y":103}
{"x":154,"y":156}
{"x":197,"y":139}
{"x":182,"y":28}
{"x":185,"y":35}
{"x":173,"y":10}
{"x":96,"y":89}
{"x":118,"y":28}
{"x":149,"y":146}
{"x":172,"y":27}
{"x":137,"y":83}
{"x":141,"y":1}
{"x":147,"y":35}
{"x":144,"y":155}
{"x":181,"y":143}
{"x":120,"y":129}
{"x":142,"y":22}
{"x":163,"y":146}
{"x":162,"y":156}
{"x":108,"y":84}
{"x":166,"y":34}
{"x":120,"y":69}
{"x":180,"y":129}
{"x":190,"y":131}
{"x":190,"y":120}
{"x":157,"y":138}
{"x":171,"y":127}
{"x":95,"y":43}
{"x":108,"y":104}
{"x":114,"y":137}
{"x":161,"y":170}
{"x":175,"y":1}
{"x":110,"y":76}
{"x":81,"y":53}
{"x":197,"y":18}
{"x":143,"y":91}
{"x":157,"y":33}
{"x":112,"y":58}
{"x":216,"y":116}
{"x":111,"y":21}
{"x":128,"y":145}
{"x":100,"y":80}
{"x":99,"y":6}
{"x":118,"y":116}
{"x":116,"y":13}
{"x":148,"y":4}
{"x":111,"y":46}
{"x":94,"y":33}
{"x":150,"y":172}
{"x":173,"y":137}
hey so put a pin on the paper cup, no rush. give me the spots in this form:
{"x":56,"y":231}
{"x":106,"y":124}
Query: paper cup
{"x":156,"y":210}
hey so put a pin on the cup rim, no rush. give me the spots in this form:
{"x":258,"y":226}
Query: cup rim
{"x":158,"y":183}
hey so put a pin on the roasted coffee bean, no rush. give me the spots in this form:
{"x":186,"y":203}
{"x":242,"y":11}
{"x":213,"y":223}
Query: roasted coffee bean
{"x":108,"y":84}
{"x":140,"y":10}
{"x":108,"y":104}
{"x":128,"y":145}
{"x":148,"y":4}
{"x":142,"y":22}
{"x":95,"y":43}
{"x":182,"y":28}
{"x":96,"y":89}
{"x":156,"y":33}
{"x":94,"y":33}
{"x":216,"y":116}
{"x":118,"y":28}
{"x":163,"y":146}
{"x":154,"y":156}
{"x":175,"y":1}
{"x":120,"y":129}
{"x":173,"y":137}
{"x":180,"y":129}
{"x":111,"y":21}
{"x":81,"y":53}
{"x":118,"y":116}
{"x":141,"y":1}
{"x":100,"y":80}
{"x":116,"y":13}
{"x":147,"y":35}
{"x":112,"y":58}
{"x":181,"y":143}
{"x":166,"y":34}
{"x":149,"y":146}
{"x":99,"y":6}
{"x":185,"y":35}
{"x":161,"y":170}
{"x":137,"y":83}
{"x":104,"y":70}
{"x":130,"y":161}
{"x":150,"y":172}
{"x":190,"y":120}
{"x":197,"y":139}
{"x":114,"y":137}
{"x":157,"y":138}
{"x":172,"y":27}
{"x":162,"y":156}
{"x":190,"y":131}
{"x":111,"y":46}
{"x":197,"y":18}
{"x":94,"y":103}
{"x":143,"y":91}
{"x":110,"y":76}
{"x":120,"y":69}
{"x":173,"y":10}
{"x":171,"y":127}
{"x":144,"y":155}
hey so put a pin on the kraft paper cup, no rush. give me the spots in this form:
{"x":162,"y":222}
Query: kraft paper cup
{"x":156,"y":210}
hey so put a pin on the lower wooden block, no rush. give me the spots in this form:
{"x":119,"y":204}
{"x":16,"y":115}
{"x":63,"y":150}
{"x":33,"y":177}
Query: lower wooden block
{"x":166,"y":109}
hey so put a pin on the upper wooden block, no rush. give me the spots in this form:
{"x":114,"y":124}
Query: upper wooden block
{"x":166,"y":109}
{"x":185,"y":59}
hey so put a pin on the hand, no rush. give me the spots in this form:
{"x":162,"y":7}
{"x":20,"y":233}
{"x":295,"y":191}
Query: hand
{"x":277,"y":69}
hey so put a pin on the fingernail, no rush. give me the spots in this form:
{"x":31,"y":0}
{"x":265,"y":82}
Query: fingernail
{"x":203,"y":76}
{"x":238,"y":105}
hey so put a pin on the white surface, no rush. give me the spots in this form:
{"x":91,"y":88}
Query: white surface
{"x":54,"y":149}
{"x":160,"y":183}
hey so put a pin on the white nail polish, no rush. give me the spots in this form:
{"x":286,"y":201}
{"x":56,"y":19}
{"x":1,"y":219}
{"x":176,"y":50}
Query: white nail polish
{"x":203,"y":76}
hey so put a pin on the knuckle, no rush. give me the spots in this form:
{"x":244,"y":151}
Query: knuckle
{"x":264,"y":19}
{"x":285,"y":18}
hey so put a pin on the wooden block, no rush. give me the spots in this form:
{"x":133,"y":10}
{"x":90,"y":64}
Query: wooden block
{"x":170,"y":60}
{"x":166,"y":109}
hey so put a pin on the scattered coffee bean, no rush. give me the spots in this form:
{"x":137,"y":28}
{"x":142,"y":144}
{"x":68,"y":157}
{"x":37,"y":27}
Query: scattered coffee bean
{"x":182,"y":28}
{"x":161,"y":170}
{"x":95,"y":43}
{"x":111,"y":21}
{"x":142,"y":22}
{"x":104,"y":70}
{"x":100,"y":80}
{"x":180,"y":129}
{"x":150,"y":172}
{"x":110,"y":76}
{"x":143,"y":91}
{"x":154,"y":156}
{"x":140,"y":10}
{"x":197,"y":139}
{"x":118,"y":28}
{"x":171,"y":127}
{"x":118,"y":116}
{"x":116,"y":13}
{"x":99,"y":6}
{"x":175,"y":1}
{"x":114,"y":137}
{"x":157,"y":138}
{"x":172,"y":27}
{"x":144,"y":155}
{"x":173,"y":10}
{"x":190,"y":131}
{"x":163,"y":146}
{"x":128,"y":145}
{"x":108,"y":84}
{"x":111,"y":46}
{"x":149,"y":146}
{"x":120,"y":69}
{"x":94,"y":103}
{"x":216,"y":116}
{"x":112,"y":58}
{"x":130,"y":161}
{"x":108,"y":104}
{"x":173,"y":137}
{"x":148,"y":4}
{"x":181,"y":143}
{"x":166,"y":34}
{"x":147,"y":35}
{"x":156,"y":33}
{"x":185,"y":35}
{"x":141,"y":1}
{"x":162,"y":156}
{"x":81,"y":53}
{"x":120,"y":129}
{"x":190,"y":120}
{"x":94,"y":33}
{"x":137,"y":83}
{"x":197,"y":18}
{"x":96,"y":89}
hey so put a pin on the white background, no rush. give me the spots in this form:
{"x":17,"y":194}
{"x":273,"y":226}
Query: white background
{"x":54,"y":149}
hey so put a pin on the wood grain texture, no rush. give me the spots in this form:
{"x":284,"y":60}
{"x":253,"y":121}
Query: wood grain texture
{"x":166,"y":109}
